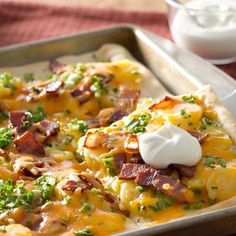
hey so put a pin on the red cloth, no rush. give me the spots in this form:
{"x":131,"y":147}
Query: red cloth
{"x":22,"y":22}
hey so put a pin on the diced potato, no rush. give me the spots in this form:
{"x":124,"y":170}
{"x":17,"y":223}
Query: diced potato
{"x":17,"y":230}
{"x":127,"y":193}
{"x":222,"y":142}
{"x":221,"y":184}
{"x":5,"y":92}
{"x":59,"y":155}
{"x":185,"y":115}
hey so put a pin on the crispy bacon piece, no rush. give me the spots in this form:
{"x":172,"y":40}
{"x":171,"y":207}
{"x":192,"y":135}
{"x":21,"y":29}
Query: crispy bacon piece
{"x":28,"y":143}
{"x":148,"y":176}
{"x":127,"y":98}
{"x":105,"y":117}
{"x":83,"y":93}
{"x":71,"y":186}
{"x":131,"y":144}
{"x":56,"y":67}
{"x":53,"y":88}
{"x":33,"y":172}
{"x":17,"y":119}
{"x":95,"y":140}
{"x":170,"y":187}
{"x":186,"y":171}
{"x":201,"y":137}
{"x":4,"y":153}
{"x":167,"y":102}
{"x":82,"y":96}
{"x":119,"y":160}
{"x":48,"y":128}
{"x":91,"y":181}
{"x":134,"y":158}
{"x":102,"y":119}
{"x":130,"y":170}
{"x":117,"y":115}
{"x":76,"y":93}
{"x":39,"y":163}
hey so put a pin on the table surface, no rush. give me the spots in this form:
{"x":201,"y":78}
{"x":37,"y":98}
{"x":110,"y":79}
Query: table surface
{"x":136,"y":5}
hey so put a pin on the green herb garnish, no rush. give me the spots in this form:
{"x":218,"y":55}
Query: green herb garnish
{"x":162,"y":203}
{"x":3,"y":115}
{"x":14,"y":195}
{"x":68,"y":139}
{"x":98,"y":87}
{"x":28,"y":77}
{"x":139,"y":189}
{"x":6,"y":81}
{"x":81,"y":67}
{"x":6,"y":136}
{"x":46,"y":185}
{"x":138,"y":125}
{"x":79,"y":125}
{"x":189,"y":99}
{"x":83,"y":232}
{"x":109,"y":164}
{"x":33,"y":116}
{"x":86,"y":207}
{"x":207,"y":122}
{"x":212,"y":161}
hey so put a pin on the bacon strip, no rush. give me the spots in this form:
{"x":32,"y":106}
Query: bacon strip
{"x":48,"y":128}
{"x":148,"y":176}
{"x":117,"y":115}
{"x":81,"y":95}
{"x":185,"y":171}
{"x":170,"y":187}
{"x":72,"y":185}
{"x":106,"y":117}
{"x":28,"y":143}
{"x":127,"y":98}
{"x":53,"y":88}
{"x":130,"y":170}
{"x":201,"y":137}
{"x":167,"y":102}
{"x":17,"y":119}
{"x":4,"y":153}
{"x":119,"y":160}
{"x":56,"y":67}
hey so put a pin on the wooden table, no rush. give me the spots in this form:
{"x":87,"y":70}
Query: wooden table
{"x":136,"y":5}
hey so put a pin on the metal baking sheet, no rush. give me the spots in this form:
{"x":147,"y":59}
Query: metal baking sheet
{"x":179,"y":72}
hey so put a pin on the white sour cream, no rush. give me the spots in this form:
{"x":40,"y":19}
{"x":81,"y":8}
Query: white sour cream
{"x":209,"y":30}
{"x":169,"y":145}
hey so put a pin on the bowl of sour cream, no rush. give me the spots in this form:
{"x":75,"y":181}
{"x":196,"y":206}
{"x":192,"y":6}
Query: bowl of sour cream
{"x":205,"y":27}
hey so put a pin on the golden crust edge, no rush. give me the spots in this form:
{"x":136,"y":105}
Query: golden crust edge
{"x":224,"y":116}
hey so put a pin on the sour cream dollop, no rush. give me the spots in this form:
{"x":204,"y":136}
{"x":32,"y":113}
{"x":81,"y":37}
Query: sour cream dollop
{"x":169,"y":145}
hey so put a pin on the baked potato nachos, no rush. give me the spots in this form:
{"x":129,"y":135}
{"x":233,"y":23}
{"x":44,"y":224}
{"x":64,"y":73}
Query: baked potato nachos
{"x":70,"y":153}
